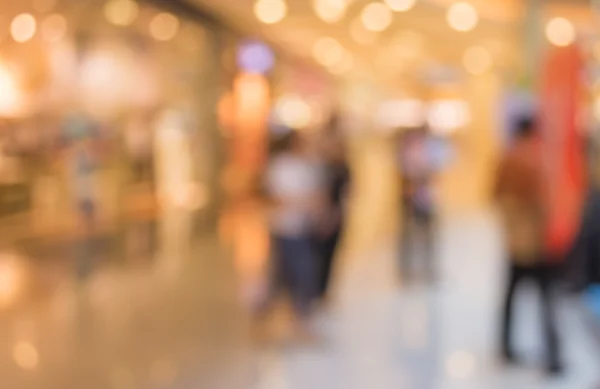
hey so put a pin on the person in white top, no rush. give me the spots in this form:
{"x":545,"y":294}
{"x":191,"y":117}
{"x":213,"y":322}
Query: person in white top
{"x":295,"y":191}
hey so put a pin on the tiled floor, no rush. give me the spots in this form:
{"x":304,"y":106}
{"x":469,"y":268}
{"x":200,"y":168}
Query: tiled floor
{"x":381,"y":335}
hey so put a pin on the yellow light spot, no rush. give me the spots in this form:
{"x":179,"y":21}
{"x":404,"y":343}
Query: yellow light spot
{"x":376,"y":17}
{"x":121,"y":12}
{"x":23,"y":27}
{"x":327,"y":51}
{"x":25,"y":355}
{"x":270,"y":11}
{"x":164,"y":26}
{"x":330,"y":11}
{"x":462,"y":17}
{"x":560,"y":32}
{"x":400,"y":5}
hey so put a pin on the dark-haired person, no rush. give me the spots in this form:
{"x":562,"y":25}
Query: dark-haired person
{"x":294,"y":189}
{"x":519,"y":193}
{"x":336,"y":181}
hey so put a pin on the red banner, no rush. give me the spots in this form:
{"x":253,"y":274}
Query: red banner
{"x":562,"y":146}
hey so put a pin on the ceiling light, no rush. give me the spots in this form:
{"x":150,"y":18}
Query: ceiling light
{"x":560,"y":32}
{"x":270,"y":11}
{"x":164,"y":26}
{"x":400,"y":5}
{"x":376,"y":17}
{"x":121,"y":12}
{"x":477,"y":60}
{"x":328,"y":52}
{"x":330,"y":11}
{"x":23,"y":27}
{"x":462,"y":17}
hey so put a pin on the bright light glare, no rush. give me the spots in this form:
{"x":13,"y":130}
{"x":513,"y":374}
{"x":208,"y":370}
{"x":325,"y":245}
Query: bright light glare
{"x":164,"y":26}
{"x":400,"y":5}
{"x":270,"y":11}
{"x":447,"y":116}
{"x":54,"y":28}
{"x":376,"y":17}
{"x":361,"y":35}
{"x":23,"y":27}
{"x":462,"y":17}
{"x":477,"y":60}
{"x":328,"y":52}
{"x":121,"y":12}
{"x":330,"y":11}
{"x":25,"y":356}
{"x":10,"y":101}
{"x":404,"y":113}
{"x":560,"y":32}
{"x":293,"y":112}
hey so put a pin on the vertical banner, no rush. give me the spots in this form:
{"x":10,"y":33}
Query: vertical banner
{"x":563,"y":147}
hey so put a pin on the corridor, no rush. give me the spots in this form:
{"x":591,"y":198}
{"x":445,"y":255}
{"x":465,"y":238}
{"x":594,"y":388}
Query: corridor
{"x":380,"y":334}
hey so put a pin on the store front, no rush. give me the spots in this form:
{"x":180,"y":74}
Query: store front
{"x":134,"y":83}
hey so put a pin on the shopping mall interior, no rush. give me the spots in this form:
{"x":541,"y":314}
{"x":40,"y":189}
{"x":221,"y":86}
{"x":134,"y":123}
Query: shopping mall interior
{"x":142,"y":199}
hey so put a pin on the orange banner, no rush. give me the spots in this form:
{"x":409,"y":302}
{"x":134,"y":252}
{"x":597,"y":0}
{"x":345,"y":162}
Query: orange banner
{"x":564,"y":154}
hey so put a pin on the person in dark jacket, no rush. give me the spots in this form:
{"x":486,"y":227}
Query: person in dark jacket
{"x":336,"y":176}
{"x":519,"y":194}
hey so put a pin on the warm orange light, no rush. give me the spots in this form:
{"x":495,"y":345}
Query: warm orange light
{"x":121,"y":12}
{"x":23,"y":27}
{"x":400,"y":5}
{"x":376,"y":17}
{"x":270,"y":11}
{"x":462,"y":17}
{"x":54,"y":28}
{"x":560,"y":32}
{"x":330,"y":11}
{"x":164,"y":26}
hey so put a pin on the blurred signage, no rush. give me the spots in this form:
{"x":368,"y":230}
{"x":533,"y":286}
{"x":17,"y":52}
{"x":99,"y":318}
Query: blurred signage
{"x":563,"y":147}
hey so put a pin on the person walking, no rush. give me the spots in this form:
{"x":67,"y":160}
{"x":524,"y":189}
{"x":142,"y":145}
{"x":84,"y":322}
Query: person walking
{"x":336,"y":181}
{"x":519,"y":194}
{"x":294,"y":189}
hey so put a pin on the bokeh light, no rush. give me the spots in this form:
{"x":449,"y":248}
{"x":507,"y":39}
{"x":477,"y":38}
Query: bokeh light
{"x":400,"y":5}
{"x":255,"y":57}
{"x":23,"y":27}
{"x":121,"y":12}
{"x":402,"y":113}
{"x":447,"y":116}
{"x":328,"y":51}
{"x":462,"y":17}
{"x":10,"y":98}
{"x":293,"y":112}
{"x":270,"y":11}
{"x":25,"y":355}
{"x":164,"y":26}
{"x":54,"y":28}
{"x":376,"y":17}
{"x":330,"y":11}
{"x":560,"y":32}
{"x":477,"y":60}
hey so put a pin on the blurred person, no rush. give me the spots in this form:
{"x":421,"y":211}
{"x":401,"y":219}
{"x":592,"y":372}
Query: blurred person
{"x":83,"y":163}
{"x":336,"y":176}
{"x":519,"y":193}
{"x":418,"y":169}
{"x":294,"y":190}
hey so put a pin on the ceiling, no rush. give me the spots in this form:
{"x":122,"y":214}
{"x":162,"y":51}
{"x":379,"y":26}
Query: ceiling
{"x":385,"y":57}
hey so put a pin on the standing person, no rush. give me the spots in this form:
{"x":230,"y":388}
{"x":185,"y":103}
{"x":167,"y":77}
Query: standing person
{"x":337,"y":180}
{"x":418,"y":169}
{"x":294,"y":189}
{"x":519,"y":193}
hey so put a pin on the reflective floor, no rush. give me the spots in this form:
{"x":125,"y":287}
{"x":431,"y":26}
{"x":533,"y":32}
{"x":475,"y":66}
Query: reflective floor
{"x":133,"y":315}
